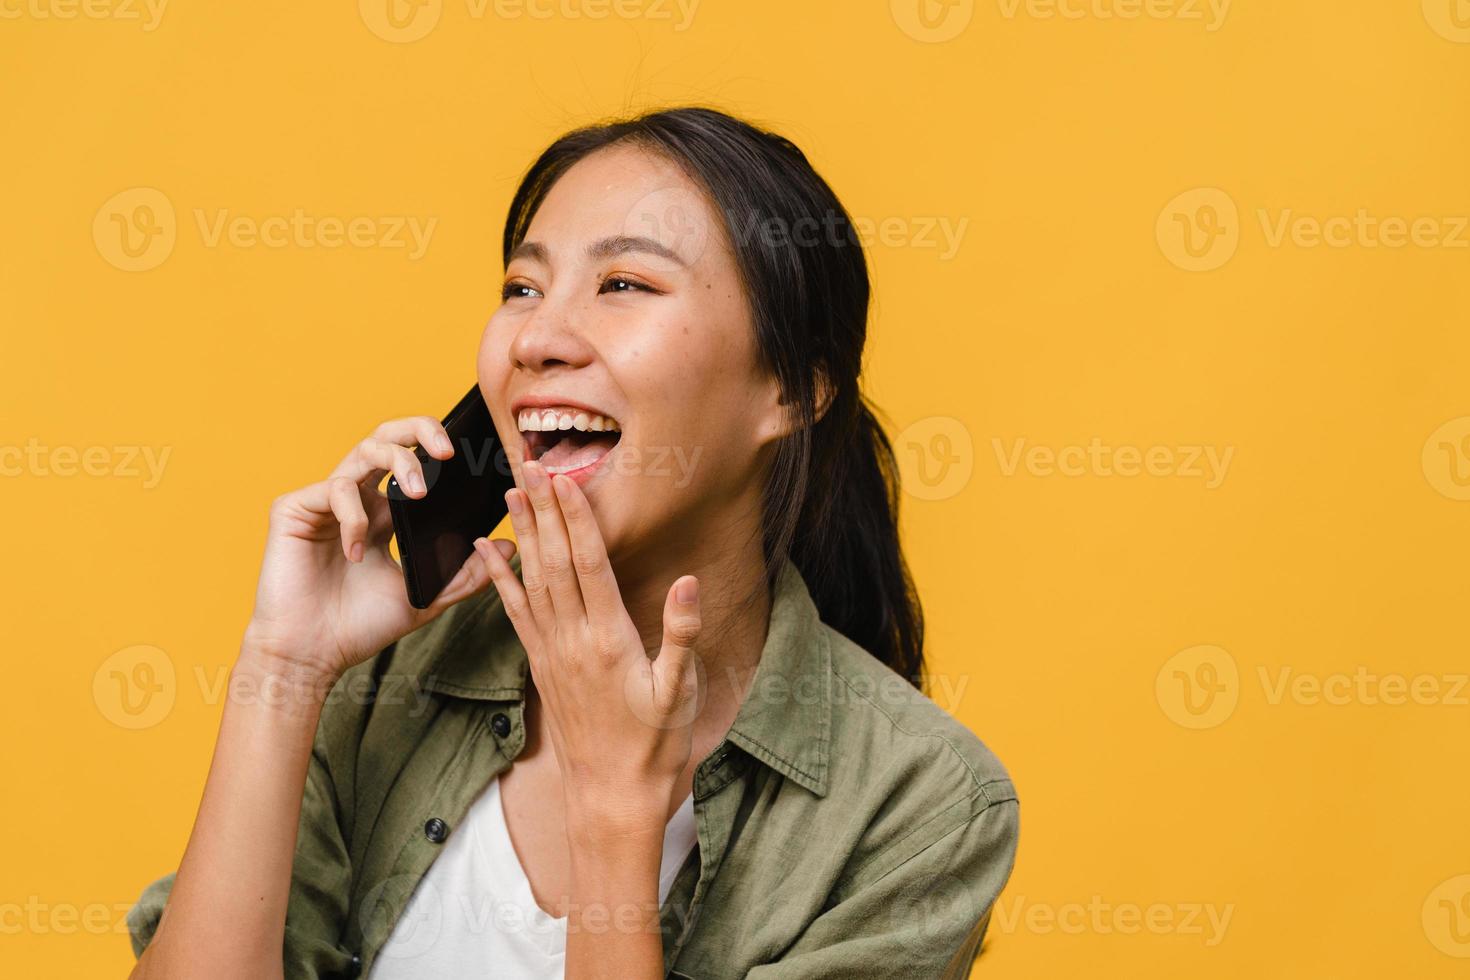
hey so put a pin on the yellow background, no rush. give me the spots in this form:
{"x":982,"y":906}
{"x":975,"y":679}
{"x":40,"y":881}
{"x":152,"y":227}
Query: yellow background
{"x":1065,"y":611}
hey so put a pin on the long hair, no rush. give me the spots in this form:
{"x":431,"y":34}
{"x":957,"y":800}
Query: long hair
{"x":830,"y":502}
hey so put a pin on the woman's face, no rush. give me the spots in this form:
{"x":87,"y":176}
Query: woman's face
{"x":624,"y":299}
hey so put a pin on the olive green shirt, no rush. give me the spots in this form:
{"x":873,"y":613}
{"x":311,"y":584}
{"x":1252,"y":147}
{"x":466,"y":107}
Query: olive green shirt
{"x":847,"y":826}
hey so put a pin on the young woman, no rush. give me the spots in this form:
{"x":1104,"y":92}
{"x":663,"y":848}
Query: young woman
{"x":681,"y":734}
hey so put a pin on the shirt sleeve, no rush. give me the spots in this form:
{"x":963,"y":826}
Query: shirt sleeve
{"x":316,"y":910}
{"x":925,"y":917}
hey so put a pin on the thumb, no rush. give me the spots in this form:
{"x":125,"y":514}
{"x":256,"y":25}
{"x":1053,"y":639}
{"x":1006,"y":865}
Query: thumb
{"x":472,"y":578}
{"x":674,"y":675}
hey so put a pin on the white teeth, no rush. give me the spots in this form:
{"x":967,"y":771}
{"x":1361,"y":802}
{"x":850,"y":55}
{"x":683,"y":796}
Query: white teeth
{"x":552,"y":419}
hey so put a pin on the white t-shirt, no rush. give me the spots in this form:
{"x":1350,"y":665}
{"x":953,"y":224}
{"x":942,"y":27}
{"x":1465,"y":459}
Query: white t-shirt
{"x":473,"y":913}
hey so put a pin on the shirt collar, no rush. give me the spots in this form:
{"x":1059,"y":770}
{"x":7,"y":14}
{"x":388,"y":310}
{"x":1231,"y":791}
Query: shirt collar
{"x":784,"y":719}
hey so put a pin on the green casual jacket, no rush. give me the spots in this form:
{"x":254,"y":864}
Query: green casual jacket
{"x":848,"y":826}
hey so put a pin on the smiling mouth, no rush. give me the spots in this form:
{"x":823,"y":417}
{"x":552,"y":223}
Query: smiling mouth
{"x":565,"y":440}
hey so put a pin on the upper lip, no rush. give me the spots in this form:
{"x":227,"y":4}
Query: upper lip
{"x":555,"y":401}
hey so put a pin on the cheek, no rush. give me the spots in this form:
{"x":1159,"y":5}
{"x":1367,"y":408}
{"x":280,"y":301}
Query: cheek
{"x":692,"y":377}
{"x":492,"y":359}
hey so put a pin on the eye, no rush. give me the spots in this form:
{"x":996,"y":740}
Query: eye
{"x":517,"y":290}
{"x":623,"y":284}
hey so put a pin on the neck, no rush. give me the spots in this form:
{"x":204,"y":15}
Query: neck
{"x":734,"y":606}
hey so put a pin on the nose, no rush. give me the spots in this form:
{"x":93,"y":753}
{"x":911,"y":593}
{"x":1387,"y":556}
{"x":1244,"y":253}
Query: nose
{"x":550,"y":338}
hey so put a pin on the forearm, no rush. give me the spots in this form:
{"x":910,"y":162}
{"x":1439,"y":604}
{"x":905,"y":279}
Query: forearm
{"x":613,"y":922}
{"x":227,"y":911}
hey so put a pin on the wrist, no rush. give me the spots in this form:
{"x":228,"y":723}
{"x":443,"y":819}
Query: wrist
{"x":625,"y":864}
{"x":620,"y":827}
{"x":279,"y":681}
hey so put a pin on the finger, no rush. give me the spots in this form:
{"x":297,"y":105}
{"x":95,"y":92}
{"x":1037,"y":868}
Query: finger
{"x":599,"y":586}
{"x":373,"y":457}
{"x":673,"y":670}
{"x":472,"y":578}
{"x":495,"y":557}
{"x":555,"y":548}
{"x":380,"y":519}
{"x":346,"y":503}
{"x":533,"y":582}
{"x":314,"y":507}
{"x":420,"y":430}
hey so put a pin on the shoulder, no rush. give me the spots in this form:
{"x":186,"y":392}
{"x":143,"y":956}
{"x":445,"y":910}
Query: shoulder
{"x":877,"y":709}
{"x":922,"y":777}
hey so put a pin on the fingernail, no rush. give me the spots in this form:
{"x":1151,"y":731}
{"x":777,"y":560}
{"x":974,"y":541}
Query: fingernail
{"x":513,"y":502}
{"x":563,"y":487}
{"x":687,"y":591}
{"x":534,"y":474}
{"x":357,"y":551}
{"x":445,"y":444}
{"x":416,"y":482}
{"x":480,"y":547}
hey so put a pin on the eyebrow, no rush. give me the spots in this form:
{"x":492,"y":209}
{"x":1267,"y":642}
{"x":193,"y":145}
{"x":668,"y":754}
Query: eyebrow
{"x":605,"y":248}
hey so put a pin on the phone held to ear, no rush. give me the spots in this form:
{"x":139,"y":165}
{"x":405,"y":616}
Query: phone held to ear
{"x":465,"y":501}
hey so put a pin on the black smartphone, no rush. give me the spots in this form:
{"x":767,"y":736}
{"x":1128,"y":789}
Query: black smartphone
{"x":465,"y":501}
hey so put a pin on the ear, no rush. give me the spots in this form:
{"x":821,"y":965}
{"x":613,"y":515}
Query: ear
{"x":825,"y":393}
{"x":779,"y":420}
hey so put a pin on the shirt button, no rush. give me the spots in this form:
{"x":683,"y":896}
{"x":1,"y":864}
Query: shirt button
{"x":500,"y":724}
{"x":355,"y":967}
{"x":436,"y":830}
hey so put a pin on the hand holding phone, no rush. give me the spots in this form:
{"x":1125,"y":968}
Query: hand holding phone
{"x":465,"y":501}
{"x":330,"y":593}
